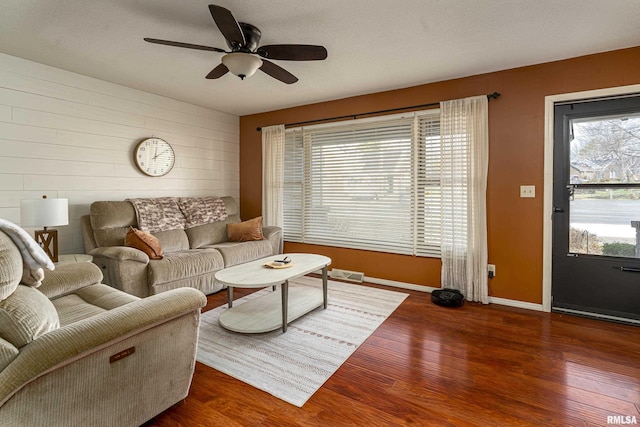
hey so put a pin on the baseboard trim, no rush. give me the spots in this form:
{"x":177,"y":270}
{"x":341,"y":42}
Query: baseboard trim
{"x":402,"y":285}
{"x":516,"y":303}
{"x":421,"y":288}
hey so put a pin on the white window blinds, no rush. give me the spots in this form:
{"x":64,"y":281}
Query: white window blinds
{"x":293,"y":206}
{"x":428,"y":189}
{"x":368,"y":184}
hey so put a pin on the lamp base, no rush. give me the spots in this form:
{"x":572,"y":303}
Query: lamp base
{"x":48,"y":241}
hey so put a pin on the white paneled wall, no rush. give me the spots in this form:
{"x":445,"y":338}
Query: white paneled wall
{"x":67,"y":135}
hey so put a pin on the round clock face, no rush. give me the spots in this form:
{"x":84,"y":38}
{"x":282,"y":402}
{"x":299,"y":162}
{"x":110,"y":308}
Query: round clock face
{"x":154,"y":157}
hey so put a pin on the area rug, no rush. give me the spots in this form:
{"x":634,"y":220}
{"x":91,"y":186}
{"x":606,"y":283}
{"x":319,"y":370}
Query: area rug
{"x":294,"y":365}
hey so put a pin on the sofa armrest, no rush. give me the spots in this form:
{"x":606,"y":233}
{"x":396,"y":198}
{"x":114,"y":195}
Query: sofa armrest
{"x":67,"y":278}
{"x":120,"y":253}
{"x":274,"y":235}
{"x":72,"y":342}
{"x":124,"y":268}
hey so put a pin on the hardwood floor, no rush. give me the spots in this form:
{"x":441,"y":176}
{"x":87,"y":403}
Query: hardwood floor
{"x":429,"y":365}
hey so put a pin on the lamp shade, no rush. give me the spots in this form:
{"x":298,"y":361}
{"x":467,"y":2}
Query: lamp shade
{"x":44,"y":212}
{"x":242,"y":64}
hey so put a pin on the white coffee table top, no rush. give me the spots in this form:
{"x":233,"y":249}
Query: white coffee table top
{"x":254,"y":274}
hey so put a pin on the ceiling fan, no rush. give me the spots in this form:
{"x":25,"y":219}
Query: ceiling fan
{"x":245,"y":56}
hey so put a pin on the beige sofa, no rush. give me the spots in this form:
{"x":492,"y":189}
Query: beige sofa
{"x":75,"y":352}
{"x":192,"y":255}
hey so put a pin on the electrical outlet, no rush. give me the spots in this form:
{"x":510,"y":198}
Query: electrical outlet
{"x":528,"y":191}
{"x":492,"y":271}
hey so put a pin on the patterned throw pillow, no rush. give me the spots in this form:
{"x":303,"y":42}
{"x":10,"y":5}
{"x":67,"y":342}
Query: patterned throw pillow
{"x":145,"y":242}
{"x":245,"y":231}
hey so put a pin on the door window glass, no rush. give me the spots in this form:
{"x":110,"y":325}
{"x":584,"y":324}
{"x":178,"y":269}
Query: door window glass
{"x":604,"y":171}
{"x":604,"y":221}
{"x":605,"y":150}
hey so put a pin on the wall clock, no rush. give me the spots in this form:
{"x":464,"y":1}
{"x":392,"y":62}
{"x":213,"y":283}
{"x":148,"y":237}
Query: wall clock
{"x":154,"y":157}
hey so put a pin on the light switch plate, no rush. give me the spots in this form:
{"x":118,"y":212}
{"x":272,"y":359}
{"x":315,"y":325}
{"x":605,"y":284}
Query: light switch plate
{"x":528,"y":191}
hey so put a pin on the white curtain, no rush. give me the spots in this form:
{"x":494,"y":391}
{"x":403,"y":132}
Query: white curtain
{"x":465,"y":157}
{"x":272,"y":175}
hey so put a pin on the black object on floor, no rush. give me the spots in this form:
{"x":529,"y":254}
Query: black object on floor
{"x":447,"y":297}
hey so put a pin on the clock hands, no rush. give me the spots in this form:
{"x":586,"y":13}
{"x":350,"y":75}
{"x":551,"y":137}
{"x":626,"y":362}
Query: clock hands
{"x":158,"y":155}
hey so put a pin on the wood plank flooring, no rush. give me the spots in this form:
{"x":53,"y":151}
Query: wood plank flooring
{"x":428,"y":365}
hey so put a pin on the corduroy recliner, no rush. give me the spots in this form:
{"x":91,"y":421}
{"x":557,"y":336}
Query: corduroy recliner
{"x":75,"y":352}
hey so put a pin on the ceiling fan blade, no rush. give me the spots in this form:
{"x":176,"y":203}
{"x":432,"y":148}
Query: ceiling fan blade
{"x":187,"y":45}
{"x":218,"y":72}
{"x":277,"y":72}
{"x":227,"y":25}
{"x":293,"y":52}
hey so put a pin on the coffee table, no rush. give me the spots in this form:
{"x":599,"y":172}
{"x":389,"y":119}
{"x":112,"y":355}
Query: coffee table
{"x":272,"y":311}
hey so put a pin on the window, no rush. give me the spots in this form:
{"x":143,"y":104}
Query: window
{"x":604,"y":164}
{"x":369,"y":184}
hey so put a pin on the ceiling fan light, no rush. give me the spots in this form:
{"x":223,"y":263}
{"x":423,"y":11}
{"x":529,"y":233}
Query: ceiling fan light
{"x":242,"y":64}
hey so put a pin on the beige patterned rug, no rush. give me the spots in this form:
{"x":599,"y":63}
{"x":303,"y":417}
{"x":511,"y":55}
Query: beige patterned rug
{"x":293,"y":365}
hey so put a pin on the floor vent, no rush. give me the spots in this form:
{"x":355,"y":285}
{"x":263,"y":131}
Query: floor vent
{"x":352,"y":276}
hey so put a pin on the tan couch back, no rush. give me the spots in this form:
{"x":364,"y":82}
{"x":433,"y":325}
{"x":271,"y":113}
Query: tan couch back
{"x":25,"y":312}
{"x":110,"y":221}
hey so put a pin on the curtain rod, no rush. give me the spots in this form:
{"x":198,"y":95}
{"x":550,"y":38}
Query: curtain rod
{"x":491,"y":96}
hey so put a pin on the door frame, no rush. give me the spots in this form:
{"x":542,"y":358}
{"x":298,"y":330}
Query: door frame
{"x":547,"y":226}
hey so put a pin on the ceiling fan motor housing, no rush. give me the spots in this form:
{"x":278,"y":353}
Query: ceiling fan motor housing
{"x":252,"y":36}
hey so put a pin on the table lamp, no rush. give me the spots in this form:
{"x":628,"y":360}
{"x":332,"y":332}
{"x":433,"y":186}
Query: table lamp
{"x":45,"y":213}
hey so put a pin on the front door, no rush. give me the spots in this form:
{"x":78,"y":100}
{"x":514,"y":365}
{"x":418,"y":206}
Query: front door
{"x":596,"y":209}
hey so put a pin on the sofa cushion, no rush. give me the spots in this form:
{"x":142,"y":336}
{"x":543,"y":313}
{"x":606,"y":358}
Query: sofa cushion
{"x":89,"y":301}
{"x":147,"y":243}
{"x":231,"y":206}
{"x":246,"y":231}
{"x":26,"y":315}
{"x":10,"y":266}
{"x":8,"y":352}
{"x":184,"y":264}
{"x":71,"y":308}
{"x":172,"y":240}
{"x":111,"y":220}
{"x":209,"y":234}
{"x":238,"y":252}
{"x":215,"y":232}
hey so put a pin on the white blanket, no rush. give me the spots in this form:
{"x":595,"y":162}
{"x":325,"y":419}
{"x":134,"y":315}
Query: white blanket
{"x":34,"y":257}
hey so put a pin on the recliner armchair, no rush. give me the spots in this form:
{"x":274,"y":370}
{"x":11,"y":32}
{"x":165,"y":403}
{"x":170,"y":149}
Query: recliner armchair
{"x":77,"y":352}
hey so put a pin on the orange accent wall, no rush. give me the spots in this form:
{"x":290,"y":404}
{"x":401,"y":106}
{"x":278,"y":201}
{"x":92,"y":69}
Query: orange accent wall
{"x":516,"y":157}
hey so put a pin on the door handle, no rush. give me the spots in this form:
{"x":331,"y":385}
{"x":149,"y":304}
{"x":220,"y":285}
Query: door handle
{"x":628,"y":269}
{"x":557,"y":209}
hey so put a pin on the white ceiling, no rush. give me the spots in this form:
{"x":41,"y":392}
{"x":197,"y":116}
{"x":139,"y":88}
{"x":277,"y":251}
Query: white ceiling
{"x":373,"y":45}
